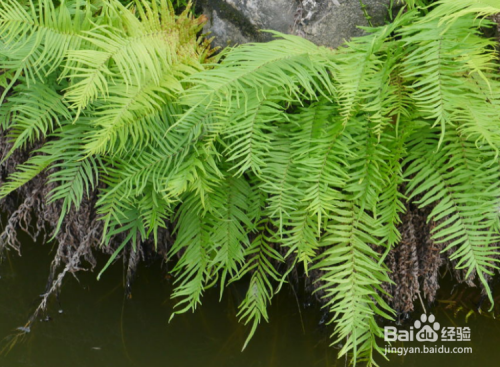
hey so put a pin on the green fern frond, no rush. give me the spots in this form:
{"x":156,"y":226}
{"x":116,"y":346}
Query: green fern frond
{"x":464,"y":188}
{"x":260,"y":292}
{"x":279,"y":181}
{"x":248,"y":132}
{"x":74,"y":174}
{"x":131,"y":114}
{"x":250,"y":70}
{"x":144,"y":49}
{"x":26,"y":172}
{"x":230,"y":227}
{"x":361,"y":70}
{"x":36,"y":37}
{"x":320,"y":152}
{"x":352,"y":279}
{"x":390,"y":201}
{"x":214,"y":241}
{"x":33,"y":113}
{"x":478,"y":115}
{"x":451,"y":10}
{"x":193,"y":241}
{"x":131,"y":225}
{"x":368,"y":164}
{"x":435,"y":62}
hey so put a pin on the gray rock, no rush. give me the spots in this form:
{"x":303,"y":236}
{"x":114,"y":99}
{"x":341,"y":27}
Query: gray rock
{"x":324,"y":22}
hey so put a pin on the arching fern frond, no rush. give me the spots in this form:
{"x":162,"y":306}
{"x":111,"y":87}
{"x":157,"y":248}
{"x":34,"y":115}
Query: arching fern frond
{"x":249,"y":130}
{"x":37,"y":36}
{"x":74,"y":174}
{"x":145,"y":48}
{"x":451,"y":10}
{"x":33,"y":113}
{"x":250,"y":70}
{"x":25,"y":172}
{"x":361,"y":72}
{"x":132,"y":116}
{"x":436,"y":59}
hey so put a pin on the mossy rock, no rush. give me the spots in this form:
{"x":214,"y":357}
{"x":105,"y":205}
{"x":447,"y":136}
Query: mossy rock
{"x":324,"y":22}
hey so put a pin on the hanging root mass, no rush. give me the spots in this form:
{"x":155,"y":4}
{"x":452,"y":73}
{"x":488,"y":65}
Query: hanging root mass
{"x":80,"y":235}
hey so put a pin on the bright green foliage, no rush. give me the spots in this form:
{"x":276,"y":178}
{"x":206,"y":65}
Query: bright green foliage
{"x":98,"y":81}
{"x":283,"y":150}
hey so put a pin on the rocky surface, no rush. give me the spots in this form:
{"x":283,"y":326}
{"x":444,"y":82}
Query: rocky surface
{"x":324,"y":22}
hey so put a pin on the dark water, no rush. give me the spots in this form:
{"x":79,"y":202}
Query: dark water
{"x":99,"y":328}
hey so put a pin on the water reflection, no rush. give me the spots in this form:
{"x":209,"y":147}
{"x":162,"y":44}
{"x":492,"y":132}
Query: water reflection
{"x":98,"y":327}
{"x":91,"y":324}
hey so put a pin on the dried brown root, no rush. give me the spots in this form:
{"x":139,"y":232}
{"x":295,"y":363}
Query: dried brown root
{"x":78,"y":239}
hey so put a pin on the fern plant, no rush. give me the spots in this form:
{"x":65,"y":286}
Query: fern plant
{"x":282,"y":151}
{"x":99,"y":79}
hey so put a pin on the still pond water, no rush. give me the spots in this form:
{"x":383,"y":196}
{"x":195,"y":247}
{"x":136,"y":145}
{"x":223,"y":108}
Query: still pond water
{"x":92,"y":325}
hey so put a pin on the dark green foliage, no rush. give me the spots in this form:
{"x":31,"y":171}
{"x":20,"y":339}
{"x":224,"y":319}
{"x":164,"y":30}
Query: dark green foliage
{"x":282,"y":151}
